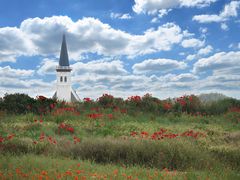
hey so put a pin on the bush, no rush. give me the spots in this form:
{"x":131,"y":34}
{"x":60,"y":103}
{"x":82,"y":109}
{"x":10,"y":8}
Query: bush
{"x":22,"y":104}
{"x":188,"y":104}
{"x":150,"y":104}
{"x":106,"y":100}
{"x":221,"y":106}
{"x":17,"y":103}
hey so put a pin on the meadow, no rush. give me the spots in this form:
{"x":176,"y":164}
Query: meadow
{"x":112,"y":138}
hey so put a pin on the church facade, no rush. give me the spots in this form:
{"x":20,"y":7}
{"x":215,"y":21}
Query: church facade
{"x":64,"y":91}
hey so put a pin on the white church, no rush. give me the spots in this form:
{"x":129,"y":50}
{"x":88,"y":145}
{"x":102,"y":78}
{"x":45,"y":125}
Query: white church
{"x":64,"y":90}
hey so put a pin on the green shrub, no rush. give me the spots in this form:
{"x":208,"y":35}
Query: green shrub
{"x":22,"y":104}
{"x":17,"y":103}
{"x":221,"y":106}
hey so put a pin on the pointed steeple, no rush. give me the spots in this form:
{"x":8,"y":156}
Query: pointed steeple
{"x":63,"y":61}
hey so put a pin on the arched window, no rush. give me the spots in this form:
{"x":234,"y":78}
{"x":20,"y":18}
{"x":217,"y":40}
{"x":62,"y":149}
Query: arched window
{"x":61,"y":79}
{"x":65,"y":78}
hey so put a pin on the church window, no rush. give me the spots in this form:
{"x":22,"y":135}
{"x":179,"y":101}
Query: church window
{"x":61,"y":79}
{"x":65,"y":79}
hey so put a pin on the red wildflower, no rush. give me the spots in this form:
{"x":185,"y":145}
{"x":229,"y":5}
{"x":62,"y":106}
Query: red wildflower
{"x":68,"y":173}
{"x":10,"y":136}
{"x":123,"y":111}
{"x":1,"y":139}
{"x":144,"y":134}
{"x":42,"y":136}
{"x":133,"y":133}
{"x":167,"y":106}
{"x":70,"y":129}
{"x":87,"y":100}
{"x":44,"y":173}
{"x":95,"y":116}
{"x":76,"y":139}
{"x":110,"y":116}
{"x":134,"y":98}
{"x":52,"y":106}
{"x":41,"y":98}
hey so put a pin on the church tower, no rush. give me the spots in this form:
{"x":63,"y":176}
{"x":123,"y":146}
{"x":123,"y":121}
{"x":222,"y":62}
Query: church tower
{"x":64,"y":87}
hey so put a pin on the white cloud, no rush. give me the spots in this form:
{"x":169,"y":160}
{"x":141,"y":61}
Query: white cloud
{"x":192,"y":43}
{"x":153,"y":6}
{"x":14,"y":43}
{"x":191,"y":57}
{"x":7,"y":71}
{"x":155,"y":20}
{"x":235,"y":46}
{"x":120,"y":16}
{"x":201,"y":53}
{"x":219,"y":62}
{"x":31,"y":86}
{"x":88,"y":35}
{"x":224,"y":26}
{"x":196,"y":3}
{"x":184,"y":77}
{"x":161,"y":13}
{"x":230,"y":10}
{"x":203,"y":30}
{"x":48,"y":66}
{"x":99,"y":67}
{"x":205,"y":51}
{"x":157,"y":66}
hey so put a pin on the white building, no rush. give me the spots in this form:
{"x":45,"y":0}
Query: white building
{"x":64,"y":86}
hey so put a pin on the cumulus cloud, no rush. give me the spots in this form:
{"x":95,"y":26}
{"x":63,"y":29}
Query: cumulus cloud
{"x":20,"y":85}
{"x":120,"y":16}
{"x":99,"y":67}
{"x":230,"y":10}
{"x":219,"y":62}
{"x":161,"y":13}
{"x":157,"y":66}
{"x":91,"y":35}
{"x":38,"y":36}
{"x":153,"y":6}
{"x":224,"y":26}
{"x":205,"y":51}
{"x":47,"y":66}
{"x":14,"y":43}
{"x":192,"y":43}
{"x":201,"y":53}
{"x":7,"y":71}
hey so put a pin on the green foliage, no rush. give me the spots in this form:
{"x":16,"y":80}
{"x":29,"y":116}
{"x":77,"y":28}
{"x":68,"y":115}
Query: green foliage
{"x":221,"y":106}
{"x":108,"y":101}
{"x":22,"y":104}
{"x":17,"y":103}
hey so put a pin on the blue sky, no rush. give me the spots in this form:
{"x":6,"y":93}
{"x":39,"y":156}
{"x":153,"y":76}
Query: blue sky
{"x":128,"y":47}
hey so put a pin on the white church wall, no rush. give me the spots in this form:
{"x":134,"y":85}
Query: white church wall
{"x":64,"y":86}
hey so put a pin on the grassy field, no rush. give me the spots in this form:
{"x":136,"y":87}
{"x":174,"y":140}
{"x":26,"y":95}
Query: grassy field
{"x":103,"y":143}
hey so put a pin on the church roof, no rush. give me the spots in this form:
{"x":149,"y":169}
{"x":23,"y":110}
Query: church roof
{"x":63,"y":61}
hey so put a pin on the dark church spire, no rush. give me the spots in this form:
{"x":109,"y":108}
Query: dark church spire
{"x":63,"y":61}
